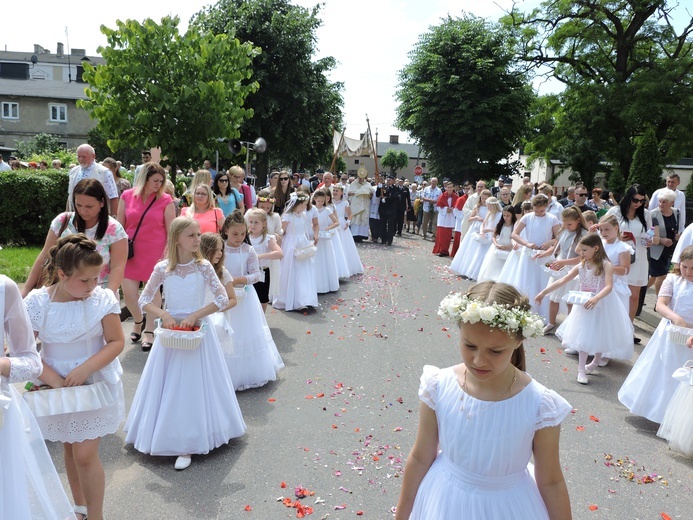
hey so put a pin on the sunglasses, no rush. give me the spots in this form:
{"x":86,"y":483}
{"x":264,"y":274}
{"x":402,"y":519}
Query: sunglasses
{"x":283,"y":178}
{"x":581,"y":194}
{"x":637,"y":201}
{"x":222,"y":181}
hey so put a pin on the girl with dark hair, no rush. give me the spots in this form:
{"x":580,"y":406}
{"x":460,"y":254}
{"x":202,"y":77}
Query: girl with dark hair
{"x":228,"y":197}
{"x":635,"y":221}
{"x":282,"y":192}
{"x":91,"y":218}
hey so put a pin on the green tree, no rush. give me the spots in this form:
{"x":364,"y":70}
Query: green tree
{"x":127,"y":155}
{"x":180,"y":93}
{"x":40,"y":144}
{"x":395,"y":160}
{"x":646,"y":168}
{"x":296,"y":106}
{"x":622,"y":63}
{"x":462,"y":97}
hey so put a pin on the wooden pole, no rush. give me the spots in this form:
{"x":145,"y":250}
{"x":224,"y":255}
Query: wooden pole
{"x":334,"y":156}
{"x":375,"y":150}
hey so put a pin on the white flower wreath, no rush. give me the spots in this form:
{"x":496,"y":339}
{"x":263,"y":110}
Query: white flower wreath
{"x":461,"y":308}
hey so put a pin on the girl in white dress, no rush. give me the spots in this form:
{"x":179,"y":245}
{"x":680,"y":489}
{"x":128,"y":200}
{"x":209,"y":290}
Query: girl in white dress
{"x":298,"y":287}
{"x":343,"y":208}
{"x":255,"y":360}
{"x":502,"y":245}
{"x":265,"y":202}
{"x":340,"y":255}
{"x":462,"y":260}
{"x":602,"y":311}
{"x":267,"y":250}
{"x":326,"y":274}
{"x":212,"y":249}
{"x":78,"y":323}
{"x":29,"y":485}
{"x":481,"y":242}
{"x":649,"y":387}
{"x":481,"y":421}
{"x":184,"y":403}
{"x":562,"y":256}
{"x":535,"y":233}
{"x":677,"y":425}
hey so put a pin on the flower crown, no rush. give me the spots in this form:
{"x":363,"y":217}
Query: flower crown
{"x":266,"y":199}
{"x":461,"y":308}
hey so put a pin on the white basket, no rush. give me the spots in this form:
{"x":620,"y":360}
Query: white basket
{"x":555,"y":273}
{"x":578,"y":297}
{"x":70,"y":399}
{"x":305,"y":252}
{"x":502,"y":254}
{"x":326,"y":235}
{"x":482,"y":239}
{"x":180,"y":339}
{"x":678,"y":335}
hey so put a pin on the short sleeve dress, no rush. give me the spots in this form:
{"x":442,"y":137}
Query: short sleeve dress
{"x":638,"y":274}
{"x":150,"y":242}
{"x":481,"y":471}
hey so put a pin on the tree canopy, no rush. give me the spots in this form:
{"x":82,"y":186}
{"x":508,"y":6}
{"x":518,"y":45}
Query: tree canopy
{"x":625,"y":68}
{"x":463,"y":99}
{"x":296,"y":106}
{"x":395,"y":160}
{"x":158,"y":88}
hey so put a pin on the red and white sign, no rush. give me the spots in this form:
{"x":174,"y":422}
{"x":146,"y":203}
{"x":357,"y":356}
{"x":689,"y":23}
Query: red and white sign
{"x":418,"y":170}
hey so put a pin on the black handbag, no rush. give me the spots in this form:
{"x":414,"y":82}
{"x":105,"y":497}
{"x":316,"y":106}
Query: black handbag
{"x":131,"y":242}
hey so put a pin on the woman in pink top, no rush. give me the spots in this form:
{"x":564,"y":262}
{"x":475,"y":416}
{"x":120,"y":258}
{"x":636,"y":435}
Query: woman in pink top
{"x":202,"y":209}
{"x":149,"y":241}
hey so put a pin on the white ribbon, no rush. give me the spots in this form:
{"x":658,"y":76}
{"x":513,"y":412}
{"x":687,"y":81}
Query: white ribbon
{"x":685,"y":373}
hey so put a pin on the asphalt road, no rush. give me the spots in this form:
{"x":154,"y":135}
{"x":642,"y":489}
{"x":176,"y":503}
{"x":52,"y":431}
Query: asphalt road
{"x":342,"y":416}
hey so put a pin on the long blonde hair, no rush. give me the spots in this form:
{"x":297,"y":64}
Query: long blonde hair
{"x":483,"y":192}
{"x":201,"y":177}
{"x":147,"y":170}
{"x":257,"y":212}
{"x":179,"y":225}
{"x":493,"y":206}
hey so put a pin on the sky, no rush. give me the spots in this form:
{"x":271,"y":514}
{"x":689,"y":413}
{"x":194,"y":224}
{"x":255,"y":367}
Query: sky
{"x":370,"y":39}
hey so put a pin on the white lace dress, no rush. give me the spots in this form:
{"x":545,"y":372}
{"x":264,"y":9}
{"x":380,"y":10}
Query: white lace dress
{"x":340,"y":255}
{"x":70,"y":333}
{"x":185,"y":402}
{"x":649,"y":387}
{"x":481,"y":471}
{"x":351,"y":254}
{"x":255,"y":359}
{"x":326,"y":273}
{"x":581,"y":330}
{"x":29,"y":485}
{"x":297,"y":287}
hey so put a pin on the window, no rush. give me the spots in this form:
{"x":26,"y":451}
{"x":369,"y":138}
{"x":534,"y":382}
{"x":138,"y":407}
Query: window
{"x":80,"y":73}
{"x":356,"y":161}
{"x":14,"y":70}
{"x":10,"y":110}
{"x":423,"y":164}
{"x":58,"y":113}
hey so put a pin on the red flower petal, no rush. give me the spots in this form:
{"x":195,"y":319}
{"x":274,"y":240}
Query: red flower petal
{"x":248,"y":508}
{"x":593,"y":507}
{"x":665,"y":516}
{"x":282,"y":485}
{"x":271,"y":399}
{"x":580,"y":428}
{"x":593,"y":418}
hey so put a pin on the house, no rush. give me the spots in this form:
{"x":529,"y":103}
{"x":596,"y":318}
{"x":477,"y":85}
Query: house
{"x":413,"y":151}
{"x":39,"y":93}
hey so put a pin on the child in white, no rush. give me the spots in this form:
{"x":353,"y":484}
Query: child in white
{"x":212,"y":249}
{"x":265,"y":202}
{"x":534,"y":232}
{"x":255,"y":359}
{"x":326,"y":274}
{"x":677,"y":425}
{"x":602,"y":311}
{"x":29,"y":485}
{"x":476,"y":218}
{"x":502,"y":244}
{"x":351,"y":254}
{"x":78,"y":323}
{"x":184,"y":403}
{"x":298,"y":287}
{"x":649,"y":387}
{"x":267,"y":250}
{"x":340,"y":257}
{"x":481,"y":421}
{"x":562,"y":257}
{"x":471,"y":253}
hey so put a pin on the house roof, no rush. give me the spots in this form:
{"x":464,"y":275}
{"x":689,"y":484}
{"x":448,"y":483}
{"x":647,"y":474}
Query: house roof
{"x":413,"y":150}
{"x":42,"y":89}
{"x":45,"y":57}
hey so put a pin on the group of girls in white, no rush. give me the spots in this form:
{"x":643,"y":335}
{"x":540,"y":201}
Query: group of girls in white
{"x":583,"y":268}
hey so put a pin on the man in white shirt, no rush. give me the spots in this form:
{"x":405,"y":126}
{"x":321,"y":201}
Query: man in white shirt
{"x":673,"y":181}
{"x":89,"y":169}
{"x":430,"y":197}
{"x":4,"y":167}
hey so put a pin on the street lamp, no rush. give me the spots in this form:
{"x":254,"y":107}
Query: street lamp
{"x":259,"y":146}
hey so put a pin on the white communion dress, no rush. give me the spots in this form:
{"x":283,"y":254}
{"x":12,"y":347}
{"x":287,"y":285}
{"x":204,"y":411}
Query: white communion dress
{"x":255,"y":359}
{"x":468,"y":246}
{"x":481,"y":471}
{"x":495,"y":258}
{"x":479,"y":244}
{"x":677,"y":425}
{"x":351,"y":254}
{"x":29,"y":485}
{"x":566,"y":251}
{"x":274,"y":228}
{"x":326,"y":273}
{"x":185,"y":403}
{"x":649,"y":387}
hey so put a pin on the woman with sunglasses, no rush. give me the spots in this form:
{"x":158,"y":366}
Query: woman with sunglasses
{"x":282,"y":192}
{"x":228,"y":197}
{"x":635,"y":221}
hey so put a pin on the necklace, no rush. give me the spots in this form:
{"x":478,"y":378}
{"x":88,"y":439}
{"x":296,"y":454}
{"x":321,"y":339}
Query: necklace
{"x":463,"y":391}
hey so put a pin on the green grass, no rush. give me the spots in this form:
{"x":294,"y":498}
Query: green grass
{"x":16,"y":262}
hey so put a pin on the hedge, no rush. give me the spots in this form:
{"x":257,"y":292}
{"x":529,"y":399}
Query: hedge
{"x":29,"y":201}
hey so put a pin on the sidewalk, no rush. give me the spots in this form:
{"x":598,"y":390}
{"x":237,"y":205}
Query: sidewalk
{"x":648,"y":319}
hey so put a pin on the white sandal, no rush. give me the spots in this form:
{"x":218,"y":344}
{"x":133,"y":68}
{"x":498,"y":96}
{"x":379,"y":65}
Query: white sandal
{"x":81,"y":510}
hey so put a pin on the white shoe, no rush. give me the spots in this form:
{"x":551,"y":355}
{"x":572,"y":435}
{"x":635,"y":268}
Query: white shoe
{"x":590,"y":368}
{"x":604,"y":361}
{"x":183,"y":462}
{"x":548,"y":329}
{"x":570,"y":351}
{"x":582,"y":377}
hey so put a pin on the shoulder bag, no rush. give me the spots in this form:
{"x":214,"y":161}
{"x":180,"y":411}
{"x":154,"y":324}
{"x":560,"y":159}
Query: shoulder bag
{"x":131,"y":242}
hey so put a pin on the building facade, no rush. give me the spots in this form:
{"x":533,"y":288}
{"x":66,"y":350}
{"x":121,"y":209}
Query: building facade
{"x":39,"y":93}
{"x":413,"y":151}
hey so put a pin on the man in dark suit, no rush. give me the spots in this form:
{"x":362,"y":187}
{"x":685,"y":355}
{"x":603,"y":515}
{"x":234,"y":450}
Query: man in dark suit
{"x":403,"y":204}
{"x":389,"y":197}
